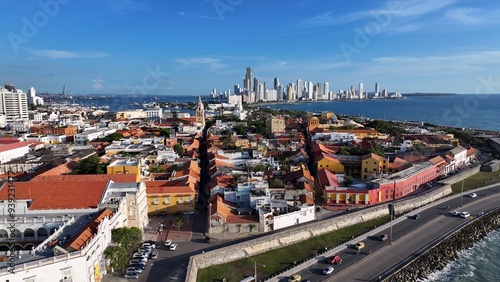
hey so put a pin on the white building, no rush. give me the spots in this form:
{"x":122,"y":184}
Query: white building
{"x":93,"y":134}
{"x":33,"y":99}
{"x":13,"y":103}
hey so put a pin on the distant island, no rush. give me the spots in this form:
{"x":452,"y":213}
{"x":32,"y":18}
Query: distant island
{"x":428,"y":94}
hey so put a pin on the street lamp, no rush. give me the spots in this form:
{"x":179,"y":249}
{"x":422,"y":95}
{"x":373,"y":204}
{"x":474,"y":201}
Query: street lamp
{"x":462,"y":194}
{"x":391,"y":211}
{"x":255,"y":268}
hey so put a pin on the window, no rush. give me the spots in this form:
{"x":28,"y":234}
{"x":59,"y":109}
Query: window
{"x":66,"y":274}
{"x":155,"y":201}
{"x":188,"y":199}
{"x":180,"y":199}
{"x":167,"y":200}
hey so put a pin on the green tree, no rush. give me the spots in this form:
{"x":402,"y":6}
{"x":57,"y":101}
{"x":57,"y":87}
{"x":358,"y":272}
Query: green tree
{"x":117,"y":256}
{"x":126,"y":239}
{"x":348,"y":180}
{"x":112,"y":137}
{"x":165,"y":132}
{"x":157,"y":169}
{"x":178,"y":224}
{"x":178,"y":149}
{"x":276,"y":183}
{"x":90,"y":165}
{"x":239,"y":129}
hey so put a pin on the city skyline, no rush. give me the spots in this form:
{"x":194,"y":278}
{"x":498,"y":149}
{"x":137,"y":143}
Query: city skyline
{"x":177,"y":48}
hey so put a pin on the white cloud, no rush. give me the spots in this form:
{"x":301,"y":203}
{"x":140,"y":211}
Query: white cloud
{"x":464,"y":15}
{"x":97,"y":83}
{"x":211,"y":63}
{"x":60,"y":54}
{"x":397,"y":16}
{"x":125,"y":6}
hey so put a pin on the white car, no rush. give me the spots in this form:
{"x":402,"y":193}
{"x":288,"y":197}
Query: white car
{"x":154,"y":255}
{"x":455,"y":213}
{"x":168,"y":243}
{"x":173,"y":247}
{"x":464,"y":214}
{"x":328,"y":270}
{"x":134,"y":269}
{"x":472,"y":195}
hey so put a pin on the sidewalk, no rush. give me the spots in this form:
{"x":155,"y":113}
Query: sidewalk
{"x":169,"y":229}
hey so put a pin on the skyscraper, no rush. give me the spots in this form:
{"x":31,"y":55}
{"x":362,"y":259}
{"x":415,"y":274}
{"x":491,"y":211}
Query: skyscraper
{"x":310,"y":90}
{"x":300,"y":88}
{"x":248,"y":79}
{"x":361,"y":91}
{"x":376,"y":89}
{"x":276,"y":83}
{"x":326,"y":90}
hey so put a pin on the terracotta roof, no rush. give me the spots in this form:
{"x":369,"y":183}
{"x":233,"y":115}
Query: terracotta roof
{"x":242,"y":219}
{"x":372,"y":156}
{"x":12,"y":146}
{"x":221,"y":207}
{"x":327,"y":178}
{"x":59,"y":195}
{"x":122,"y":178}
{"x":437,"y":160}
{"x":333,"y":159}
{"x":86,"y":233}
{"x":9,"y":140}
{"x":166,"y":187}
{"x":305,"y":199}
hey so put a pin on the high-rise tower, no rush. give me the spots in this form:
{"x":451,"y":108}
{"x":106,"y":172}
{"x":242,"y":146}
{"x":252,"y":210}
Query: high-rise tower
{"x":248,"y":79}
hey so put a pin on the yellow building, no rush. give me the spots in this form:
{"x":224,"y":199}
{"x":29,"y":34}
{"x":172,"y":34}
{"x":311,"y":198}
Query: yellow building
{"x":275,"y":124}
{"x":330,"y":163}
{"x":124,"y":166}
{"x":170,"y":197}
{"x":372,"y":165}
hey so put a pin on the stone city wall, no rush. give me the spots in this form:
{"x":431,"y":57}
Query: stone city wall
{"x":305,"y":231}
{"x":461,"y":176}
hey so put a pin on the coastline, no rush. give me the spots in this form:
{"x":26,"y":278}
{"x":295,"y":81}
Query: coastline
{"x":449,"y":249}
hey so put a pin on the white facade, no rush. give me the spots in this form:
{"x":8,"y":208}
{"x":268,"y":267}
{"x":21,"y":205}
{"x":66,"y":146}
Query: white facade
{"x":14,"y":153}
{"x":305,"y":214}
{"x":92,"y":135}
{"x":14,"y":104}
{"x":154,"y":113}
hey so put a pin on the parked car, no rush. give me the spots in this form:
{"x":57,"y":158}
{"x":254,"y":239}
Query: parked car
{"x":137,"y":265}
{"x":335,"y":259}
{"x":140,"y":256}
{"x":327,"y":271}
{"x":295,"y":278}
{"x":455,"y":213}
{"x":359,"y":245}
{"x":137,"y":261}
{"x":383,"y":237}
{"x":464,"y":214}
{"x":472,"y":195}
{"x":154,"y":255}
{"x":131,"y":275}
{"x":173,"y":247}
{"x":168,"y":243}
{"x":134,"y":269}
{"x":151,"y":243}
{"x":147,"y":245}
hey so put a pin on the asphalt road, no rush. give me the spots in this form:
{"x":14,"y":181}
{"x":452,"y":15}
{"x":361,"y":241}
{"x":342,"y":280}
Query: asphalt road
{"x":410,"y":238}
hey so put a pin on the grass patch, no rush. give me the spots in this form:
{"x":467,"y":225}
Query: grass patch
{"x":479,"y":179}
{"x":285,"y":257}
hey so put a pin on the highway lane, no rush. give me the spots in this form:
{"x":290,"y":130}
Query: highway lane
{"x":409,"y":236}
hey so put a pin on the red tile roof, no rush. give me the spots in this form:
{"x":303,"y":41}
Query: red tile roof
{"x":89,"y":231}
{"x":85,"y":177}
{"x":56,"y":195}
{"x":327,"y":178}
{"x":12,"y":146}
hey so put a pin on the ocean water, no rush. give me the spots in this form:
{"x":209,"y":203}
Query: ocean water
{"x":470,"y":111}
{"x":481,"y":263}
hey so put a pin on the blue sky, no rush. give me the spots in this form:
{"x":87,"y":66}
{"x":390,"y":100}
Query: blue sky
{"x":179,"y":47}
